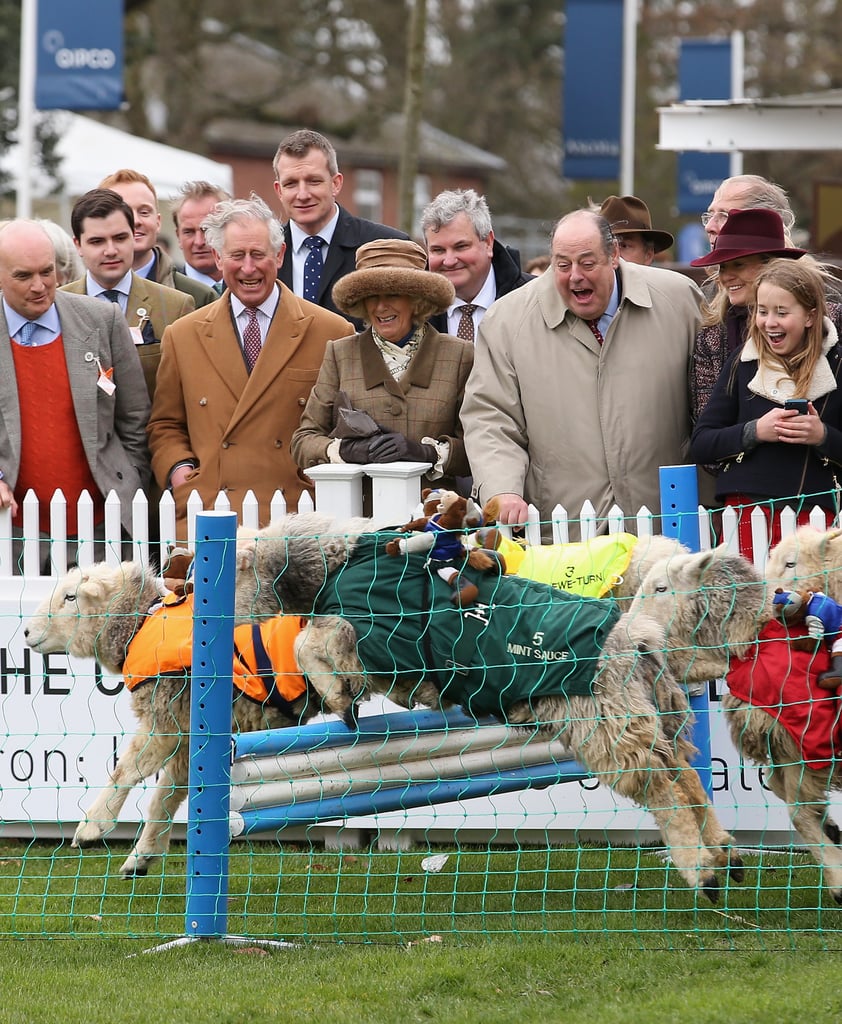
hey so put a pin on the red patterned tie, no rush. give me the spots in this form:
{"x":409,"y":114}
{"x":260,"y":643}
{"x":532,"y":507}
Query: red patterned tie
{"x":465,"y":330}
{"x":251,"y":338}
{"x":595,"y":331}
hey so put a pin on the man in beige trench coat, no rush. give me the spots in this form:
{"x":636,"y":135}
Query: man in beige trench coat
{"x":579,"y":388}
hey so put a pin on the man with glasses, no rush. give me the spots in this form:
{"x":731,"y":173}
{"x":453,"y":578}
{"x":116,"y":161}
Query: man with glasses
{"x":579,"y":387}
{"x":236,"y":374}
{"x":747,"y":192}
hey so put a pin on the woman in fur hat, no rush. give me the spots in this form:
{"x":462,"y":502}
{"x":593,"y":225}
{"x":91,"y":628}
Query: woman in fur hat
{"x":393,"y":392}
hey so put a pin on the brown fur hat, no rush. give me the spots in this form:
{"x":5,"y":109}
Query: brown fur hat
{"x":392,"y":266}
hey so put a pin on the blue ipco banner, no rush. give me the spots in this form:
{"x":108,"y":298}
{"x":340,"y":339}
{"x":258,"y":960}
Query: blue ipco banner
{"x":593,"y":85}
{"x":80,"y":55}
{"x":704,"y":73}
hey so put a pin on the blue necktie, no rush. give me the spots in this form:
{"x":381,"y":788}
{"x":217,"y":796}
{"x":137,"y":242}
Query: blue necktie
{"x":26,"y":332}
{"x":313,"y":267}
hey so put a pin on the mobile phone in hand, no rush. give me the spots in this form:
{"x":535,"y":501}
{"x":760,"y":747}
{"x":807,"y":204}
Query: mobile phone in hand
{"x":799,"y":404}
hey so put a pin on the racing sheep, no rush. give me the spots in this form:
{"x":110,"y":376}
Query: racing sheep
{"x":116,"y":615}
{"x":376,"y":622}
{"x":718,"y":616}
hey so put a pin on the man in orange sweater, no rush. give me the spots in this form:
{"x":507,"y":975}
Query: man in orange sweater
{"x":73,"y":402}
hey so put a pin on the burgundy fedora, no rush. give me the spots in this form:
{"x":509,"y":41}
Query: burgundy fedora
{"x":749,"y":233}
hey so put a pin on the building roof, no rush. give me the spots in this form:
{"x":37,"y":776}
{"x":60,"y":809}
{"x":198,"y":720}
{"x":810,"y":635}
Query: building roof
{"x":436,"y":149}
{"x":809,"y":121}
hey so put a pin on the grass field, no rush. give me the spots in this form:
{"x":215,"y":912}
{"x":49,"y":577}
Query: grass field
{"x":510,"y":935}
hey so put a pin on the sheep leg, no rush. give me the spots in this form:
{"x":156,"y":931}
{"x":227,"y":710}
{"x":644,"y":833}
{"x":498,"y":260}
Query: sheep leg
{"x":716,"y":839}
{"x":143,"y":757}
{"x":326,"y":650}
{"x":804,"y":791}
{"x":663,"y":795}
{"x":169,"y":794}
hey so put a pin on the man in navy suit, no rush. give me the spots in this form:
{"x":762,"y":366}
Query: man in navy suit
{"x":307,"y":181}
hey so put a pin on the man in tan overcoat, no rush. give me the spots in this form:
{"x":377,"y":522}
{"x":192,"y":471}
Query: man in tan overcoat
{"x":236,"y":374}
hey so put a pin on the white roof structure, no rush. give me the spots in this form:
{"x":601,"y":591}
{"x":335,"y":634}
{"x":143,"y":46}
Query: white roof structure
{"x":89,"y":150}
{"x":811,"y":121}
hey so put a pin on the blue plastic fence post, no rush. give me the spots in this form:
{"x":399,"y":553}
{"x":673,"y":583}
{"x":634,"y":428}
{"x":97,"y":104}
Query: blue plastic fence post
{"x":680,"y":519}
{"x":208,"y":834}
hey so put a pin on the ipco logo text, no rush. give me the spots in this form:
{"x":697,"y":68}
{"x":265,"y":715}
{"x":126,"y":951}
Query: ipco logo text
{"x":81,"y":58}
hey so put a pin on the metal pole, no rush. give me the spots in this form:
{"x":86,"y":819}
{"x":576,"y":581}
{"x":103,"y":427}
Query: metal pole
{"x":208,"y":835}
{"x":737,"y":90}
{"x":629,"y":95}
{"x":26,"y":106}
{"x":680,"y":519}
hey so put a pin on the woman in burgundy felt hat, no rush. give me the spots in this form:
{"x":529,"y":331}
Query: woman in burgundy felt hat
{"x":748,"y":240}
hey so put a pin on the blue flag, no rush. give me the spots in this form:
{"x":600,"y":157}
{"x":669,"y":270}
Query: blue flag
{"x":593,"y":89}
{"x":704,"y":73}
{"x":80,"y":55}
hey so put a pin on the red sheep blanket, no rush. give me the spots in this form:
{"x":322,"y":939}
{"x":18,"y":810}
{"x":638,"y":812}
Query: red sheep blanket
{"x":782,"y":682}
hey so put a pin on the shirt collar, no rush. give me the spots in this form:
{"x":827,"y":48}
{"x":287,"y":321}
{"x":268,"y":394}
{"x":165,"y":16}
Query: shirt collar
{"x":267,"y":307}
{"x":483,"y":298}
{"x":123,"y":286}
{"x":326,"y":233}
{"x":146,"y":269}
{"x":14,"y":321}
{"x":197,"y":275}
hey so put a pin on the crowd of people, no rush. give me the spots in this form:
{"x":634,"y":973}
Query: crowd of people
{"x":308,"y":335}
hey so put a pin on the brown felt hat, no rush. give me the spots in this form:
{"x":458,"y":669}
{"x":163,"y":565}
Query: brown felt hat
{"x":391,"y":266}
{"x":629,"y":215}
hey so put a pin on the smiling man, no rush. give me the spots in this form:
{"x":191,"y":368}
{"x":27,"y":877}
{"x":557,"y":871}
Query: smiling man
{"x":461,"y":246}
{"x":235,"y":375}
{"x":321,"y":237}
{"x":103,"y":231}
{"x":150,"y":260}
{"x":579,"y":389}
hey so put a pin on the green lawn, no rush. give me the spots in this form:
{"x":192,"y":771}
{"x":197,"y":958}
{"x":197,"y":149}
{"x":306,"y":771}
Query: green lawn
{"x":582,"y":934}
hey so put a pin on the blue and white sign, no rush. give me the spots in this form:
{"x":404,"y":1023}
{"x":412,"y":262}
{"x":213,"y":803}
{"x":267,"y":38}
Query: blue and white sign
{"x":704,"y":73}
{"x":593,"y":89}
{"x":79,"y":55}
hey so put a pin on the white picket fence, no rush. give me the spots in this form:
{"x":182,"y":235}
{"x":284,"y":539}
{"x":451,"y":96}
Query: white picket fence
{"x":396,"y":492}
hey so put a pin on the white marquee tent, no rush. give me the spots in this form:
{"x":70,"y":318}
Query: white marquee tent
{"x":89,"y":150}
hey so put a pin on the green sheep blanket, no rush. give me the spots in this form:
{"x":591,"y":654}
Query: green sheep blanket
{"x":520,"y":640}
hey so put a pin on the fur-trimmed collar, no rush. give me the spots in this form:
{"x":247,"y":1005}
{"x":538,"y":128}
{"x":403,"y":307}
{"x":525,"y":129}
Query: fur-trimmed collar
{"x":773,"y":383}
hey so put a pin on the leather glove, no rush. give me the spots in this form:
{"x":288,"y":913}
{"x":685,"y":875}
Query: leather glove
{"x":394,"y":447}
{"x":356,"y":449}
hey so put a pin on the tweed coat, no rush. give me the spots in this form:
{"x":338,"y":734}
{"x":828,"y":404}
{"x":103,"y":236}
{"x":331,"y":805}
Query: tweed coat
{"x":351,"y":232}
{"x":112,"y":427}
{"x":425,"y":402}
{"x":552,"y":415}
{"x":236,"y":427}
{"x":162,"y":305}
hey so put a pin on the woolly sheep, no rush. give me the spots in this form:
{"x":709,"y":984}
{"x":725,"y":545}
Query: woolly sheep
{"x":629,"y":732}
{"x":713,"y":606}
{"x":96,"y":613}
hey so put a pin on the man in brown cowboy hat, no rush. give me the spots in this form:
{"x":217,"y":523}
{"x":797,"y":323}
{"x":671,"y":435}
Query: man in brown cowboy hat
{"x":631,"y":225}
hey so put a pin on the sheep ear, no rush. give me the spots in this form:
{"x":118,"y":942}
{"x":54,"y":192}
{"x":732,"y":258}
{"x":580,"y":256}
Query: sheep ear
{"x":89,"y":591}
{"x":246,"y":555}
